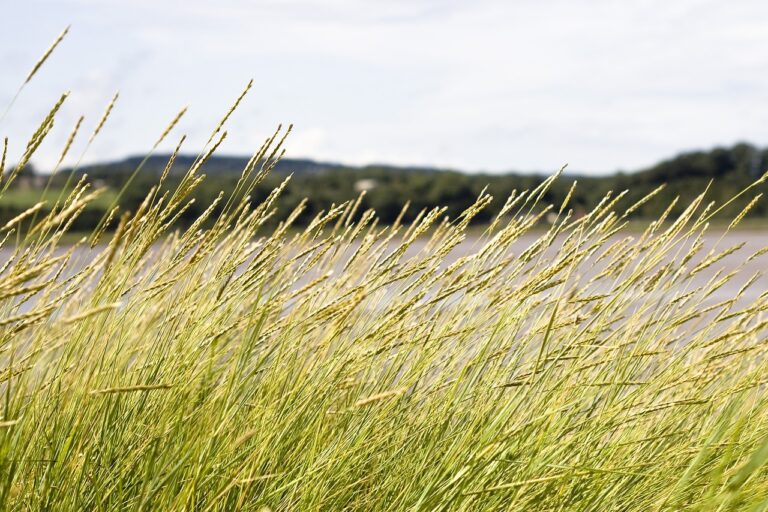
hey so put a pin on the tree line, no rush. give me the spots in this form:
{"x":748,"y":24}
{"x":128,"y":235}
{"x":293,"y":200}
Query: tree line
{"x":722,"y":171}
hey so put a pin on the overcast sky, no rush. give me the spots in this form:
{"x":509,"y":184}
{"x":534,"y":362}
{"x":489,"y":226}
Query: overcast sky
{"x":474,"y":85}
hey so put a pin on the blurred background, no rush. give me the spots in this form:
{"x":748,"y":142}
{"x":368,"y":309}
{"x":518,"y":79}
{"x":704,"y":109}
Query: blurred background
{"x":427,"y":100}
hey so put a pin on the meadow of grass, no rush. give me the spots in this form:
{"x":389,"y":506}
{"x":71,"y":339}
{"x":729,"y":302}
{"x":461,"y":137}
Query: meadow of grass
{"x":353,"y":366}
{"x":27,"y":197}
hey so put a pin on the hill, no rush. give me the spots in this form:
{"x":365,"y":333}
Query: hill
{"x":389,"y":187}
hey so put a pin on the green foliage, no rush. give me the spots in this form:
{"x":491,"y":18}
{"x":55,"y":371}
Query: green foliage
{"x":723,"y":171}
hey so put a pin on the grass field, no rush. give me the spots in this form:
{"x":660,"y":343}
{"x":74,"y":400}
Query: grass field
{"x":336,"y":368}
{"x":350,"y":366}
{"x":27,"y":198}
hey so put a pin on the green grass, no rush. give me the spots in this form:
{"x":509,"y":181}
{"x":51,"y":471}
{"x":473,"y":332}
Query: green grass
{"x":23,"y":198}
{"x":343,"y":367}
{"x":330,"y":369}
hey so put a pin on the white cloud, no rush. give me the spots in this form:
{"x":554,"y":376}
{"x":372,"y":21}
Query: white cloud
{"x":530,"y":84}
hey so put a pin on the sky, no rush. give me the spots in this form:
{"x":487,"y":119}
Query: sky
{"x":478,"y":85}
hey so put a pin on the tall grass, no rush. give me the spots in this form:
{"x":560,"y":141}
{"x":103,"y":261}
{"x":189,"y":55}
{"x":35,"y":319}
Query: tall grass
{"x":352,"y":366}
